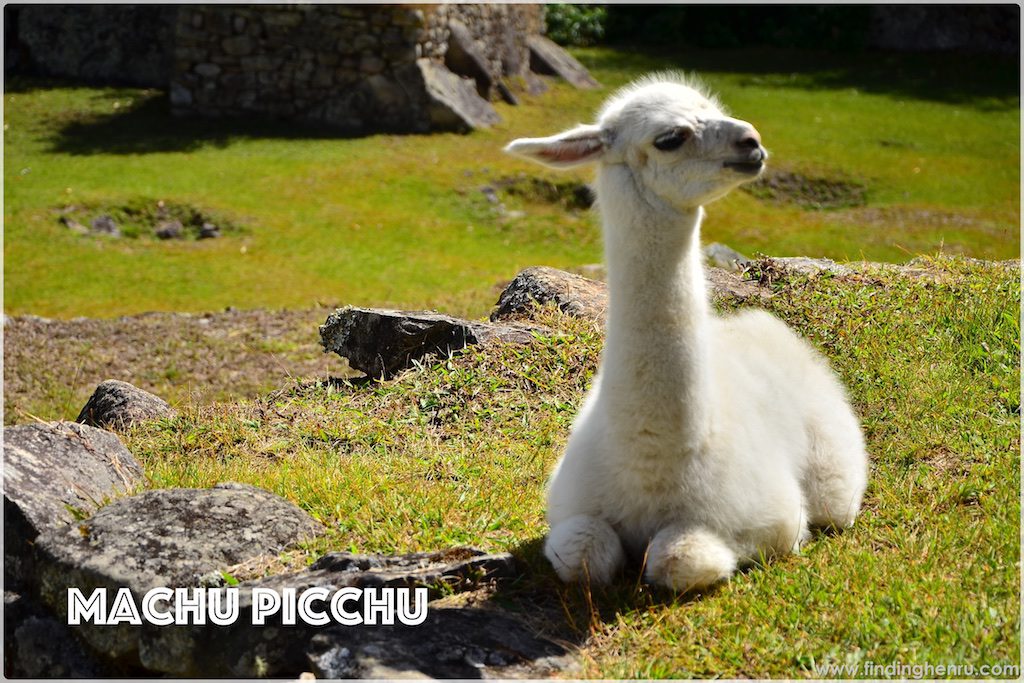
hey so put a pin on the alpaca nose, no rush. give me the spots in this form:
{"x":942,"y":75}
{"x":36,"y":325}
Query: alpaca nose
{"x":750,"y":139}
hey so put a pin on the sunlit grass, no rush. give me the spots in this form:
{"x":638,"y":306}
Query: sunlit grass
{"x":400,"y":221}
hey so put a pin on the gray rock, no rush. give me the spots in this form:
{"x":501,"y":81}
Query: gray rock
{"x":73,"y":225}
{"x":54,"y":475}
{"x":448,"y":642}
{"x":380,"y":342}
{"x":38,"y":646}
{"x":453,"y":102}
{"x":119,"y":404}
{"x":546,"y":57}
{"x":208,"y":231}
{"x":465,"y":58}
{"x":451,"y":643}
{"x":105,"y":225}
{"x":170,"y":230}
{"x":810,"y":266}
{"x":726,"y":258}
{"x":573,"y":294}
{"x":162,"y":538}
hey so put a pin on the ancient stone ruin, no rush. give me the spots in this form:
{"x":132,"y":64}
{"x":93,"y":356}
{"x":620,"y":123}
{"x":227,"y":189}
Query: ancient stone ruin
{"x":358,"y":68}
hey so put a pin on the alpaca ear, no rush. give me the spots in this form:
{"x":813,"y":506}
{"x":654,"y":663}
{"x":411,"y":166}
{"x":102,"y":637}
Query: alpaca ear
{"x":579,"y":145}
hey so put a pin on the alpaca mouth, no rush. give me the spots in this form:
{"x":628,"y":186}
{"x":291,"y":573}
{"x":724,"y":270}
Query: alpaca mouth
{"x":746,"y":167}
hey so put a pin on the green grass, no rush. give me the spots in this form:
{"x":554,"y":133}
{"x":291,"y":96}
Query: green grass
{"x":457,"y":452}
{"x":399,"y":220}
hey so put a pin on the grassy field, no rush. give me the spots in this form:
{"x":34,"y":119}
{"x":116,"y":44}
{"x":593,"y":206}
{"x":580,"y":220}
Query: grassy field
{"x":400,"y":220}
{"x":457,"y":452}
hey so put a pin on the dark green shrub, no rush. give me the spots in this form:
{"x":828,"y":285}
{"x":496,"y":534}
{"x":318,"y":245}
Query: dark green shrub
{"x":578,"y":25}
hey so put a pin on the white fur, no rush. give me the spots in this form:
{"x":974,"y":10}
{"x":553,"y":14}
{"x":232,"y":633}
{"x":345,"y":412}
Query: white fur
{"x":705,"y":443}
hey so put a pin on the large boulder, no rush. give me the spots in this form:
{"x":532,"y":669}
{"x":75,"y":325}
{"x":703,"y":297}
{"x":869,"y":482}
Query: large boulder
{"x":119,"y":404}
{"x":54,"y":475}
{"x":547,"y":57}
{"x":381,"y":342}
{"x":241,"y":650}
{"x":162,"y":538}
{"x":453,"y":102}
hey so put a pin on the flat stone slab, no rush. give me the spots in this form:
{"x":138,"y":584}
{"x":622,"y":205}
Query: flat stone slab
{"x":381,"y":342}
{"x":55,"y":474}
{"x":162,"y":538}
{"x":454,"y":101}
{"x":119,"y":405}
{"x":547,"y":57}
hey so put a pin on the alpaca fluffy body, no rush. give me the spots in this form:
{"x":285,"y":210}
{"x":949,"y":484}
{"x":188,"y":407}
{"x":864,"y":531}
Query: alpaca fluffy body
{"x":705,"y":443}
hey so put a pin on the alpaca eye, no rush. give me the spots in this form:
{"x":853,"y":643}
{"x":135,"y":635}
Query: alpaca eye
{"x":673,"y":139}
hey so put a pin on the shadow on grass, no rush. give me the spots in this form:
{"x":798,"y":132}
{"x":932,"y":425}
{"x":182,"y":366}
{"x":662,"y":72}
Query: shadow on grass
{"x":569,"y":613}
{"x":979,"y":81}
{"x":982,"y":81}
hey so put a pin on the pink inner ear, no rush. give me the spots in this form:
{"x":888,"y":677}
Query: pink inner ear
{"x":572,"y":150}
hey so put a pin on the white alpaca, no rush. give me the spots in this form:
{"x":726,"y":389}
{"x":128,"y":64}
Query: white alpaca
{"x":707,"y":443}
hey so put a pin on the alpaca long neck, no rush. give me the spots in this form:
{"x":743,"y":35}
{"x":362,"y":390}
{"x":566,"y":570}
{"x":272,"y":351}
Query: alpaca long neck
{"x":656,"y":365}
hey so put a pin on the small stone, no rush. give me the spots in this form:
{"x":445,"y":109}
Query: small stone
{"x":119,"y":404}
{"x":169,"y":230}
{"x":237,"y":45}
{"x":208,"y":231}
{"x":207,"y":69}
{"x":105,"y":225}
{"x":73,"y":225}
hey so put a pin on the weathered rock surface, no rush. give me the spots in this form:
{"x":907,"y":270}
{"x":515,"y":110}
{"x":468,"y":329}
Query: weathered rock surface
{"x":453,"y":101}
{"x":162,"y":538}
{"x":119,"y":404}
{"x":724,"y":257}
{"x":810,"y":266}
{"x":36,"y":645}
{"x":380,"y":342}
{"x":573,"y":294}
{"x":170,"y":230}
{"x":53,"y":474}
{"x":452,"y":643}
{"x":242,"y":650}
{"x":547,"y":57}
{"x":466,"y":59}
{"x":105,"y":225}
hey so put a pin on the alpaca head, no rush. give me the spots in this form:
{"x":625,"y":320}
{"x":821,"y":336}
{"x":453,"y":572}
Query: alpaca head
{"x":663,"y":136}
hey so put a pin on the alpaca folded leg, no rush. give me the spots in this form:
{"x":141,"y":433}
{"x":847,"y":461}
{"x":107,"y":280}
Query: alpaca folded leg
{"x":583,"y":547}
{"x":688,"y":558}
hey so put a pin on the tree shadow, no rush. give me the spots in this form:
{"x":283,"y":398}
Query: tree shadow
{"x":145,"y":124}
{"x":987,"y":82}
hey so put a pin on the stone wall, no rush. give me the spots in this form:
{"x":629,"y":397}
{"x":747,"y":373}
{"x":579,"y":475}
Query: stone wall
{"x":119,"y":44}
{"x":356,"y":67}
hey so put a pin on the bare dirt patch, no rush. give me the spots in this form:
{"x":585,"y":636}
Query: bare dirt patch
{"x":816,"y":193}
{"x":568,"y":194}
{"x":52,"y":366}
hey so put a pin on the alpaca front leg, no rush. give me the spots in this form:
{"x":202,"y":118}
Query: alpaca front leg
{"x":584,"y":546}
{"x":686,"y":558}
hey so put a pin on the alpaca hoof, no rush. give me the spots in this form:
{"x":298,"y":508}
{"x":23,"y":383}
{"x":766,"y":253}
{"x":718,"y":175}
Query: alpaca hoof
{"x":688,"y":559}
{"x":584,"y":548}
